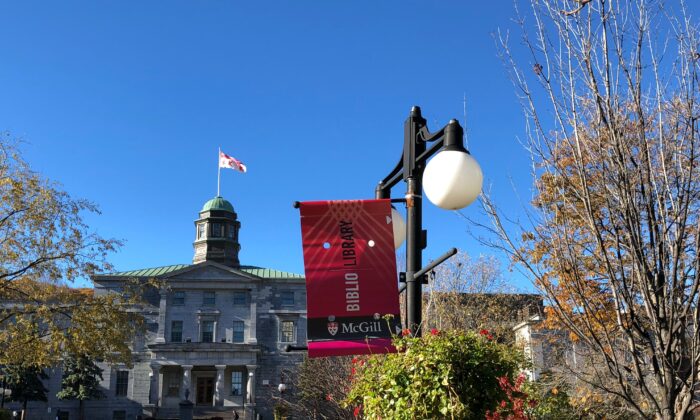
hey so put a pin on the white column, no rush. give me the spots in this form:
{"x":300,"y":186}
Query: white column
{"x":160,"y":338}
{"x":186,"y":383}
{"x":219,"y":390}
{"x":154,"y":392}
{"x":160,"y":387}
{"x":252,"y":331}
{"x":250,"y":385}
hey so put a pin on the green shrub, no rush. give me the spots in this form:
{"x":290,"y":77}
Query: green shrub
{"x":553,"y":402}
{"x":442,"y":375}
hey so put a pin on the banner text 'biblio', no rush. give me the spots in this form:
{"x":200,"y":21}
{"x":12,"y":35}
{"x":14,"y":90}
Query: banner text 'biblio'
{"x":350,"y":264}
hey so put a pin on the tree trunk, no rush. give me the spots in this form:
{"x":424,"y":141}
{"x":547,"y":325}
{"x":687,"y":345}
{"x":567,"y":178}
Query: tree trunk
{"x":24,"y":410}
{"x":81,"y":410}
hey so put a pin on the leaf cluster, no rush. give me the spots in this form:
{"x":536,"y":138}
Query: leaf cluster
{"x":25,"y":383}
{"x":443,"y":375}
{"x":80,"y":379}
{"x":60,"y":320}
{"x":45,"y":245}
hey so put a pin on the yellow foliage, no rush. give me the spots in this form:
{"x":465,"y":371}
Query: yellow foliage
{"x":44,"y":246}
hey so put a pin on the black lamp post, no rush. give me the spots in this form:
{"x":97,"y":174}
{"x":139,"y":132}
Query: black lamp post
{"x":451,"y":180}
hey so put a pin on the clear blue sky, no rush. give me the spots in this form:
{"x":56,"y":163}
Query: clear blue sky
{"x":126,"y":102}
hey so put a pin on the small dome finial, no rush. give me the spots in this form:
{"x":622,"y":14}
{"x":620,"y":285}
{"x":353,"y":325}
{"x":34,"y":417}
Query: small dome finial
{"x":217,"y":203}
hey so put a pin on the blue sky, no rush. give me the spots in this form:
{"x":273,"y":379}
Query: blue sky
{"x":125,"y":103}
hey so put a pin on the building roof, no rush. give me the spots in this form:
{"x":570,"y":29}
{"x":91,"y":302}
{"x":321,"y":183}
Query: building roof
{"x":269,"y":273}
{"x":217,"y":203}
{"x":265,"y":273}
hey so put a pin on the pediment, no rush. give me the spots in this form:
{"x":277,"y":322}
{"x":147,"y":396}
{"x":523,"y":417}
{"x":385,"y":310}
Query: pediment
{"x":210,"y":271}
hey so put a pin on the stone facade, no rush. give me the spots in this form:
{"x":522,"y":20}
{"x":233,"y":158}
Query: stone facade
{"x":216,"y":334}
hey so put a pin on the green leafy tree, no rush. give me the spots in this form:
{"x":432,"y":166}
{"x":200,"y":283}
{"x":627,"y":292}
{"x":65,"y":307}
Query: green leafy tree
{"x":25,"y":384}
{"x":81,"y":381}
{"x":444,"y":375}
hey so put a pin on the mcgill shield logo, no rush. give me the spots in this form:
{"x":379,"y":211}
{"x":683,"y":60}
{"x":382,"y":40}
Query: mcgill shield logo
{"x":332,"y":325}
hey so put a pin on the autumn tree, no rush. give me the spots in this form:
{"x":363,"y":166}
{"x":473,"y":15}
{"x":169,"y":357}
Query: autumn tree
{"x":45,"y":245}
{"x":610,"y":93}
{"x":81,"y":381}
{"x":25,"y":384}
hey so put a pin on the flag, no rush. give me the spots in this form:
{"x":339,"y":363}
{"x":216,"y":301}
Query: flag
{"x":226,"y":161}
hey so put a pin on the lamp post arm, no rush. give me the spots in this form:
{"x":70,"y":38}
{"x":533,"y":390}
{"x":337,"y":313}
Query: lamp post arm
{"x":383,"y":189}
{"x":430,"y":266}
{"x":289,"y":348}
{"x":387,"y":181}
{"x":426,"y":136}
{"x":430,"y":152}
{"x":437,"y":262}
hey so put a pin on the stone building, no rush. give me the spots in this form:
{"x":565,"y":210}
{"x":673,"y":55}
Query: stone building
{"x":216,"y":335}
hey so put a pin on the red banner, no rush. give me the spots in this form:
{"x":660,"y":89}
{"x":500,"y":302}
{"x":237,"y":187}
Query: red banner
{"x":351,"y":283}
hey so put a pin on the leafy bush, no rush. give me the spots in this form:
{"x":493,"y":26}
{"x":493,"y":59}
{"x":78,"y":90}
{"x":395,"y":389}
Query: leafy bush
{"x":517,"y":403}
{"x":553,"y":402}
{"x":442,"y":375}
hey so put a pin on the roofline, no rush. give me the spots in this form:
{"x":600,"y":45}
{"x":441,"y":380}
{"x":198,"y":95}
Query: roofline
{"x":240,"y":271}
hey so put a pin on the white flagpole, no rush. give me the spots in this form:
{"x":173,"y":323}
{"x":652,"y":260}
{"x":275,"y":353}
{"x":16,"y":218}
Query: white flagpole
{"x":218,"y":177}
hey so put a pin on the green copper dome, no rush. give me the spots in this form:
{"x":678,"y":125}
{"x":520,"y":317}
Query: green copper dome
{"x":217,"y":203}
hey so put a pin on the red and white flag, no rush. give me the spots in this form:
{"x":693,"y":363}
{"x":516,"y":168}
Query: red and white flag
{"x":226,"y":161}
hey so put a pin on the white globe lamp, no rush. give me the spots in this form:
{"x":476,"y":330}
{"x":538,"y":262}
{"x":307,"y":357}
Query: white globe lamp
{"x":452,"y":179}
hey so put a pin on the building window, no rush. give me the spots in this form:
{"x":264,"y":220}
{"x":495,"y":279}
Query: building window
{"x":239,"y":298}
{"x":119,"y":415}
{"x":179,"y":298}
{"x":217,"y":230}
{"x":287,"y":298}
{"x":288,"y":332}
{"x":122,"y":383}
{"x":176,"y":331}
{"x":209,"y":298}
{"x":236,"y":383}
{"x":201,"y":230}
{"x":238,"y":331}
{"x":207,"y":331}
{"x":229,"y":231}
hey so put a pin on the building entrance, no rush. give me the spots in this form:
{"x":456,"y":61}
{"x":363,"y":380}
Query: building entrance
{"x":205,"y":391}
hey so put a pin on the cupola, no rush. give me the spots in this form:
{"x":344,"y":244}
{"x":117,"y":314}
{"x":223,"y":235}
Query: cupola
{"x":216,"y":233}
